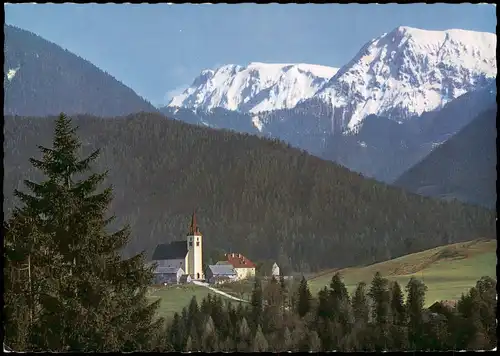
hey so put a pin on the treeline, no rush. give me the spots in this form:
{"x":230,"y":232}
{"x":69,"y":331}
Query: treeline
{"x":374,"y":318}
{"x":255,"y":196}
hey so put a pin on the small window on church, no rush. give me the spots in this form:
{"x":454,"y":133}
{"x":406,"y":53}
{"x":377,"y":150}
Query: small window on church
{"x":198,"y":243}
{"x":190,"y":243}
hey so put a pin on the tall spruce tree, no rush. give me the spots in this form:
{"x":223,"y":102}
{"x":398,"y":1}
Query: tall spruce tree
{"x":360,"y":307}
{"x":85,"y":296}
{"x":256,"y":303}
{"x":380,"y":298}
{"x":415,"y":302}
{"x":303,"y":298}
{"x":397,"y":305}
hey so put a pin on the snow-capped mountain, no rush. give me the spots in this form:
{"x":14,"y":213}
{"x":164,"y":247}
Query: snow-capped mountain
{"x":404,"y":94}
{"x":409,"y":71}
{"x":254,"y":88}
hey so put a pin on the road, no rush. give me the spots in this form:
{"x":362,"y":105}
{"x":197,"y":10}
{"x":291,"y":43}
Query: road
{"x":206,"y":285}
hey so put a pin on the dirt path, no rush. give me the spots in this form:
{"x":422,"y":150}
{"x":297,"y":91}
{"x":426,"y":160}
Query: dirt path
{"x":206,"y":285}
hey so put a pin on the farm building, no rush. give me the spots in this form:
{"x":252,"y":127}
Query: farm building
{"x":186,"y":254}
{"x":221,"y":273}
{"x":243,"y":266}
{"x":169,"y":275}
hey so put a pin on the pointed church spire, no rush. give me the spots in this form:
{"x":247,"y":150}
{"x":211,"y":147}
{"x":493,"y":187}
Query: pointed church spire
{"x":193,"y":228}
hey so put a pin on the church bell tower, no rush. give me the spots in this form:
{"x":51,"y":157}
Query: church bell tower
{"x":195,"y":251}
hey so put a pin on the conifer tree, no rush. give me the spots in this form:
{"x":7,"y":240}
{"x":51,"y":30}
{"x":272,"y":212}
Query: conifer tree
{"x":303,"y":298}
{"x":380,"y":298}
{"x":339,"y":301}
{"x":256,"y":304}
{"x":284,"y":293}
{"x":397,"y":305}
{"x":259,"y":343}
{"x":209,"y":337}
{"x":243,"y":339}
{"x":87,"y":297}
{"x":415,"y":290}
{"x":360,"y":305}
{"x":314,"y":341}
{"x":189,"y":345}
{"x":287,"y":339}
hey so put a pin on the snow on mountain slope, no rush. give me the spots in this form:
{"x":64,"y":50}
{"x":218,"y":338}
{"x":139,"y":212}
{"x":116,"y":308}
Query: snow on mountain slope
{"x":409,"y":71}
{"x":255,"y":88}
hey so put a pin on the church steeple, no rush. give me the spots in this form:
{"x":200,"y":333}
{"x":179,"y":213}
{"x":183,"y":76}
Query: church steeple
{"x":193,"y":228}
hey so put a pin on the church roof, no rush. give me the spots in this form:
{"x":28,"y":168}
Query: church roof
{"x":172,"y":251}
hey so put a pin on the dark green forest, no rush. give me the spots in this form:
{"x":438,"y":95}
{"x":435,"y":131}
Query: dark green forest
{"x":255,"y":196}
{"x":286,"y":317}
{"x":463,"y":167}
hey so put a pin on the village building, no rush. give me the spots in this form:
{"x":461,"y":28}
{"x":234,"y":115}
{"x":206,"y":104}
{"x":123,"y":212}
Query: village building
{"x":220,"y":273}
{"x":185,"y":254}
{"x":243,"y":266}
{"x":168,"y":275}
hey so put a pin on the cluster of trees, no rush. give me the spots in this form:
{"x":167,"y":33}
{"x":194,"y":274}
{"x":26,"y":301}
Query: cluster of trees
{"x":254,"y":195}
{"x":374,"y":318}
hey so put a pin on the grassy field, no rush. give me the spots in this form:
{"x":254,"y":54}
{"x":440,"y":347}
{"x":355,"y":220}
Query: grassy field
{"x":447,"y":271}
{"x":174,"y":298}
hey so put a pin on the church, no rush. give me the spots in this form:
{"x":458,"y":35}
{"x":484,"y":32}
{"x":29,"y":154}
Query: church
{"x":185,"y":254}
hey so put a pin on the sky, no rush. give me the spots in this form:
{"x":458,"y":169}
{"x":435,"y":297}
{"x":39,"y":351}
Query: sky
{"x":159,"y":49}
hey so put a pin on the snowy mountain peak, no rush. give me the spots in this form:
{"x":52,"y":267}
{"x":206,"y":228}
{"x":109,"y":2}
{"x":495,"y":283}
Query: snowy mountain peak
{"x":254,"y":88}
{"x":408,"y":71}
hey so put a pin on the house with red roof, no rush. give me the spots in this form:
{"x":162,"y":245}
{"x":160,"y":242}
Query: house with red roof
{"x":243,"y":266}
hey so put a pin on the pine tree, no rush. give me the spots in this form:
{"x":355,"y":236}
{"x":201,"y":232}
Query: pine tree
{"x":360,"y":304}
{"x":256,"y":304}
{"x":209,"y":338}
{"x":397,"y":305}
{"x":487,"y":294}
{"x":380,"y":298}
{"x":303,"y":298}
{"x":284,"y":293}
{"x":339,"y":301}
{"x":175,"y":337}
{"x":259,"y":343}
{"x":324,"y":309}
{"x":287,"y":339}
{"x":314,"y":341}
{"x":88,"y":298}
{"x":243,"y":339}
{"x":415,"y":290}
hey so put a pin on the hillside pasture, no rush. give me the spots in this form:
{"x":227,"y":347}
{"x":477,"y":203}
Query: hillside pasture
{"x":447,"y":271}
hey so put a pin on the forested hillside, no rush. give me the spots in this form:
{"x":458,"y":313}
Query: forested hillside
{"x":254,"y":196}
{"x":41,"y":78}
{"x":463,"y":167}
